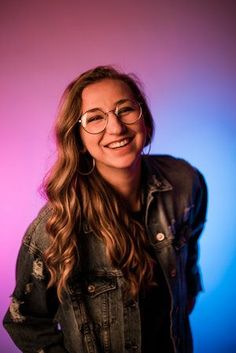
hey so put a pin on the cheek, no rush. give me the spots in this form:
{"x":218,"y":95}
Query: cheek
{"x":90,"y":142}
{"x":143,"y":130}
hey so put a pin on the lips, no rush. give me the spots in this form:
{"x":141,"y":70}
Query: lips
{"x":118,"y":144}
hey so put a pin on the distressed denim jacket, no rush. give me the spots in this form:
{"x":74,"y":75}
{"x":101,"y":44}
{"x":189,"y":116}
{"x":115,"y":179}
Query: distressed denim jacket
{"x":95,"y":317}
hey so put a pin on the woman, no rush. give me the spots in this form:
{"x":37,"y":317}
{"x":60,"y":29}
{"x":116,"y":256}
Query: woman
{"x":110,"y":263}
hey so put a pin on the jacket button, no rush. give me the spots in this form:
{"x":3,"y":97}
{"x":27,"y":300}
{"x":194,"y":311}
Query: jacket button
{"x":160,"y":236}
{"x":132,"y":304}
{"x":131,"y":346}
{"x":91,"y":288}
{"x":173,"y":272}
{"x":134,"y":346}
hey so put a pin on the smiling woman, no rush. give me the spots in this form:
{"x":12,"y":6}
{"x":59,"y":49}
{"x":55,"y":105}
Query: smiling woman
{"x":110,"y":263}
{"x":117,"y":146}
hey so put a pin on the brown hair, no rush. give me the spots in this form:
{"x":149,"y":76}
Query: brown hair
{"x":69,"y":195}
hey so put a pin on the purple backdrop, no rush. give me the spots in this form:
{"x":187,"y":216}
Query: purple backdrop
{"x":184,"y":52}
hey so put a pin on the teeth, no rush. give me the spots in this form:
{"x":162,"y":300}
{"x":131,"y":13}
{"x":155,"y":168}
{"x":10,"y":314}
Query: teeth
{"x":118,"y":144}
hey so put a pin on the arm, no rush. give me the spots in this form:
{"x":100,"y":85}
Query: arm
{"x":29,"y":319}
{"x":198,"y":219}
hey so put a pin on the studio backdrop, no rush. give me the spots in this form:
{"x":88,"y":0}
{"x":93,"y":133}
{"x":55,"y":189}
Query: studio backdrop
{"x":184,"y":53}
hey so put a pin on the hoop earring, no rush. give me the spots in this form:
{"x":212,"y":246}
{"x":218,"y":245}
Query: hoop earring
{"x":149,"y":150}
{"x":149,"y":146}
{"x":90,"y":171}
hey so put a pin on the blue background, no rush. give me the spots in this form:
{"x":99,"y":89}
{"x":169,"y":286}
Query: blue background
{"x":185,"y":54}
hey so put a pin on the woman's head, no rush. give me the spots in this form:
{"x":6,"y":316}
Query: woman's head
{"x":79,"y":97}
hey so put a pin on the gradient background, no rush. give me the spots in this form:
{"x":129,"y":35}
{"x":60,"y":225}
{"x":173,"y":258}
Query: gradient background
{"x":184,"y":52}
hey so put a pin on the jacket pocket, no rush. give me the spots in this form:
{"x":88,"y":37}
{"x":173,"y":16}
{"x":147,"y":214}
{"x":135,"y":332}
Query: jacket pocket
{"x":95,"y":298}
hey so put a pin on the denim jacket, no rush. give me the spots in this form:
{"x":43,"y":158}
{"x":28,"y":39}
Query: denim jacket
{"x":94,"y":316}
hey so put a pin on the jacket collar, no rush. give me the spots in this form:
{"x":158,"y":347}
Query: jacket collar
{"x":153,"y":176}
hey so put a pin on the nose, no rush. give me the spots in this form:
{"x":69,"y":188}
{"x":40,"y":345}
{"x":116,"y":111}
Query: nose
{"x":114,"y":125}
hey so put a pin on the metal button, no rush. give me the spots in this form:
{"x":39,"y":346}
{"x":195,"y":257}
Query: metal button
{"x":132,"y":304}
{"x":173,"y":272}
{"x":91,"y":288}
{"x":134,"y":346}
{"x":160,"y":236}
{"x":131,"y":346}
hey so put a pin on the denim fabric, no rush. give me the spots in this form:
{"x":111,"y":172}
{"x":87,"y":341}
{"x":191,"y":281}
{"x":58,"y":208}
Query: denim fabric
{"x":95,"y":316}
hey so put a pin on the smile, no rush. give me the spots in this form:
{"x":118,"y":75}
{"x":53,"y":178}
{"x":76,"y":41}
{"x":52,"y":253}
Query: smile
{"x":118,"y":144}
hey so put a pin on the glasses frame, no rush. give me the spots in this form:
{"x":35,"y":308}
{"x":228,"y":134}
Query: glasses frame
{"x":114,"y":111}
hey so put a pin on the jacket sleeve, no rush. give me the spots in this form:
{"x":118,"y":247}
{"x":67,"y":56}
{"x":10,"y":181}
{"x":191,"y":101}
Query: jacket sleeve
{"x":30,"y":317}
{"x":197,"y":222}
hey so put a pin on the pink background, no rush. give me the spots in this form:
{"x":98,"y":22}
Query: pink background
{"x":184,"y":52}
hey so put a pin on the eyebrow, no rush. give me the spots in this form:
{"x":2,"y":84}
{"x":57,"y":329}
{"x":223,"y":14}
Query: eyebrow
{"x":120,"y":101}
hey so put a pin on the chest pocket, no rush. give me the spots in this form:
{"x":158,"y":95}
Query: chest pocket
{"x":95,"y":305}
{"x":98,"y":296}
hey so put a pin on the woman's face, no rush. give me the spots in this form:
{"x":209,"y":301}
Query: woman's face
{"x":119,"y":146}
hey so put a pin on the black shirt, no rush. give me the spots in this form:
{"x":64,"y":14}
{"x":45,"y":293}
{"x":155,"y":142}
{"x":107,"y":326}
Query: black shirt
{"x":154,"y":309}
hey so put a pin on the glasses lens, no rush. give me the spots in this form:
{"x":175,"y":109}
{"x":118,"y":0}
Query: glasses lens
{"x":128,"y":112}
{"x":94,"y":121}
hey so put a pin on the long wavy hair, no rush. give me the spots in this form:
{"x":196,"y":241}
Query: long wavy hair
{"x":69,"y":196}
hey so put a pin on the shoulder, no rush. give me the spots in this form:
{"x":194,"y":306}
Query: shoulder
{"x":168,"y":164}
{"x":36,"y":237}
{"x":177,"y":171}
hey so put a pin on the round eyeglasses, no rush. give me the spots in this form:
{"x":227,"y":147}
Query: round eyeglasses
{"x":95,"y":120}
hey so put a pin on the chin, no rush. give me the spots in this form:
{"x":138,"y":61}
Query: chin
{"x":125,"y":163}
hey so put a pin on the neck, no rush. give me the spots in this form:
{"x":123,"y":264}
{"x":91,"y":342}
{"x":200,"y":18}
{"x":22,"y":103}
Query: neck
{"x":127,"y":183}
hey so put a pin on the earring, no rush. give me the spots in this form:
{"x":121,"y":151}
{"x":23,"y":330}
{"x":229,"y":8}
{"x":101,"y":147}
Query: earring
{"x":149,"y":145}
{"x":90,"y":171}
{"x":148,"y":152}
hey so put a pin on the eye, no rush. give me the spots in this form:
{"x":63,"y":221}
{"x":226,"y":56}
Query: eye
{"x":125,"y":110}
{"x":94,"y":119}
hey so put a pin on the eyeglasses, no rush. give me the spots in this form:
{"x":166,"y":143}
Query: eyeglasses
{"x":95,"y":120}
